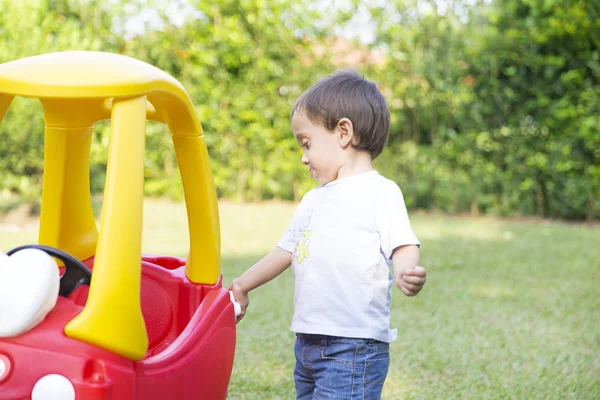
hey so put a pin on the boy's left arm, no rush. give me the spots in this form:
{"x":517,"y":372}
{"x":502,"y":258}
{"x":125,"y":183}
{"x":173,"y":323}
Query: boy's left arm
{"x":409,"y":275}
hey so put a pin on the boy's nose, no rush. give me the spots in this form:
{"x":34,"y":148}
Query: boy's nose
{"x":304,"y":159}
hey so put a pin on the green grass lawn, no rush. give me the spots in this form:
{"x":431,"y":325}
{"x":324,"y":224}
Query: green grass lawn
{"x":511,"y":309}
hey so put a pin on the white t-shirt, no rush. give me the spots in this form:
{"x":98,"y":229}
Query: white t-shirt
{"x":341,"y":239}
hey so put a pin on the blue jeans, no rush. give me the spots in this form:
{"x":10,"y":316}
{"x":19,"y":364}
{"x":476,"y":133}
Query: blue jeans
{"x":329,"y":367}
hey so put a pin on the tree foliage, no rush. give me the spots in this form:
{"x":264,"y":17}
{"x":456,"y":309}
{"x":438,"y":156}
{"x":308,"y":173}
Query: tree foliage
{"x":495,"y":105}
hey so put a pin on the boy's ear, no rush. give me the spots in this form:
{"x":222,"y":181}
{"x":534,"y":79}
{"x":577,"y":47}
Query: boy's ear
{"x":345,"y":131}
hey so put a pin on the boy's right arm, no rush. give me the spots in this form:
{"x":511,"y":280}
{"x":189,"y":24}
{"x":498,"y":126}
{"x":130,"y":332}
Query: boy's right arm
{"x":268,"y":268}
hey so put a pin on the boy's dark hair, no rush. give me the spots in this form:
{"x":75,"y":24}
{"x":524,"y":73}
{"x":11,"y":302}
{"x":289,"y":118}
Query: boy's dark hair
{"x":347,"y":94}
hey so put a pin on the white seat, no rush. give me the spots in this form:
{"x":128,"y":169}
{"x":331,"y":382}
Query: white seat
{"x":29,"y":284}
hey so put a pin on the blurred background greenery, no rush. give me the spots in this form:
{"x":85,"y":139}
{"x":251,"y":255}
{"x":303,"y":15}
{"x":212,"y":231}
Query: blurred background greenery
{"x":495,"y":103}
{"x":495,"y":110}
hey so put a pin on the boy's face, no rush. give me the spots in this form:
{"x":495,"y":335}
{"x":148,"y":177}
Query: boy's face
{"x":321,"y":149}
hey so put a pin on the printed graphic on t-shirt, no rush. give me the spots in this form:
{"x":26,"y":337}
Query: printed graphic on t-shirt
{"x":303,"y":242}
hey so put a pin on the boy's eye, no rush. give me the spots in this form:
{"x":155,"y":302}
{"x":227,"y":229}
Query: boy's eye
{"x":305,"y":145}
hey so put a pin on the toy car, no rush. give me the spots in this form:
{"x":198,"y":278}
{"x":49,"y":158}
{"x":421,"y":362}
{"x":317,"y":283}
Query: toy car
{"x":112,"y":323}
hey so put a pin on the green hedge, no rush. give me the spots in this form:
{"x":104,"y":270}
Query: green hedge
{"x":495,"y":107}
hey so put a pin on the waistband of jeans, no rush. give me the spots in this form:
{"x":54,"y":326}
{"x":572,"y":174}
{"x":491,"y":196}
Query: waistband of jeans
{"x":326,"y":339}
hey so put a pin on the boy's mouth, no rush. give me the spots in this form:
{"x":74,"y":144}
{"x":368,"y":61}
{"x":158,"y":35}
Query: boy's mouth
{"x":312,"y":172}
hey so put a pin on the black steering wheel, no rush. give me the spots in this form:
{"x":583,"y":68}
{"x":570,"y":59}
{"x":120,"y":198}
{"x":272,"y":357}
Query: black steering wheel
{"x":76,"y":273}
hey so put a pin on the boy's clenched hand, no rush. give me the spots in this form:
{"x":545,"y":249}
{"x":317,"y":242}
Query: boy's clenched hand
{"x":410,"y":280}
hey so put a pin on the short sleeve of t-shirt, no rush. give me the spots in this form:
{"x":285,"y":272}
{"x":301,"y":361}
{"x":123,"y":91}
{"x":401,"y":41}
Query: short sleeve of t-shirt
{"x":392,"y":221}
{"x":288,"y":241}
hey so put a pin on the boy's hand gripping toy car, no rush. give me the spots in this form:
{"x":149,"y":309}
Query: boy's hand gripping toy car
{"x":115,"y":324}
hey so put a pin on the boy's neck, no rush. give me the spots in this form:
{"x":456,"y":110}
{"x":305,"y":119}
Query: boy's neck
{"x":360,"y":162}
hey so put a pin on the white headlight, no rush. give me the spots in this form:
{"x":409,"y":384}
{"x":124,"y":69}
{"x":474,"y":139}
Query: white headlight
{"x":5,"y":367}
{"x":53,"y":387}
